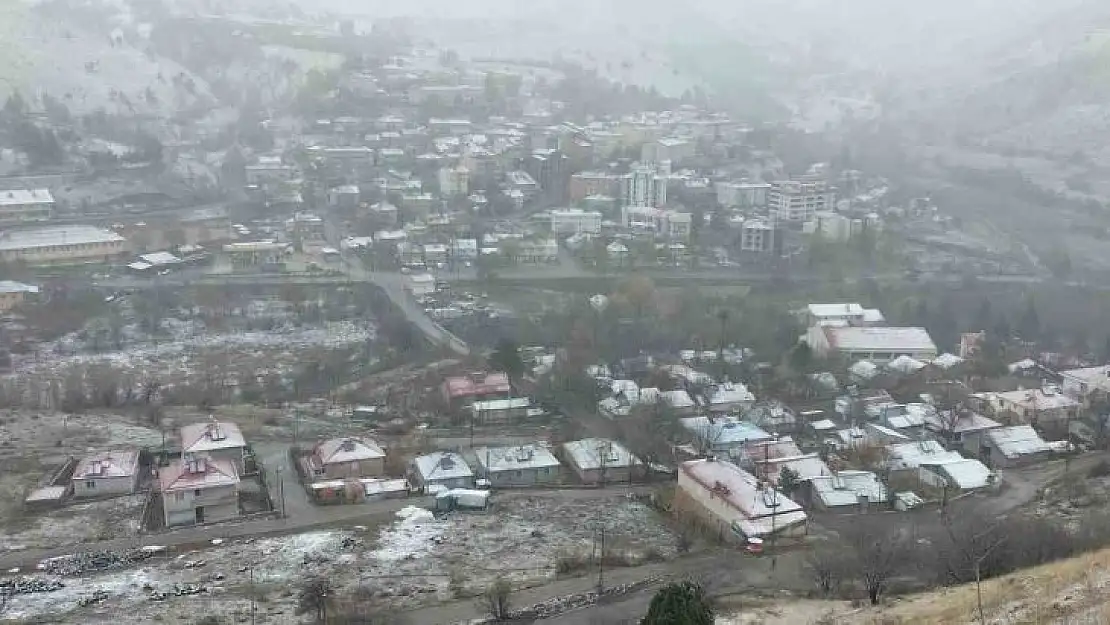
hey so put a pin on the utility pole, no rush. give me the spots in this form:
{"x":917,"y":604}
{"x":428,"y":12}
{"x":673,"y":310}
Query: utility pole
{"x":281,"y":491}
{"x":601,"y":556}
{"x":253,"y":607}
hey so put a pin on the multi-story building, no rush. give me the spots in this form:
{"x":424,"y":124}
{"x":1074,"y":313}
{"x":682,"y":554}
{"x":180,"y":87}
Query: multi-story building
{"x":20,"y":206}
{"x":742,"y":194}
{"x":571,"y":221}
{"x":757,"y":236}
{"x":454,"y":181}
{"x":643,"y":187}
{"x":61,"y":245}
{"x":549,"y":169}
{"x":672,"y":149}
{"x":796,"y":201}
{"x":586,"y":184}
{"x":199,"y":489}
{"x":673,"y":224}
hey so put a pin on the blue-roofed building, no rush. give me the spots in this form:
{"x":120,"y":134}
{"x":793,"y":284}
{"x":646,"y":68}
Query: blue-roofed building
{"x":723,"y":436}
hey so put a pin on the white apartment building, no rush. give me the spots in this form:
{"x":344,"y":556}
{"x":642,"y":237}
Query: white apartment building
{"x":61,"y":245}
{"x":670,"y":149}
{"x":20,"y":206}
{"x":797,"y":201}
{"x":643,"y":187}
{"x":673,"y":224}
{"x":454,"y":181}
{"x":832,"y":226}
{"x":568,"y":221}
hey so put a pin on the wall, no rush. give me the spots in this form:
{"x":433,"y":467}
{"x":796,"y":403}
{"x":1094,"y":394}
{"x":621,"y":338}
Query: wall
{"x":524,"y":477}
{"x":364,"y":468}
{"x":61,"y":254}
{"x":105,"y":486}
{"x":220,"y":504}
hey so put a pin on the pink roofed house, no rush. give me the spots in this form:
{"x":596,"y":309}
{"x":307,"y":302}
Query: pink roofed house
{"x":107,"y":473}
{"x":465,"y":389}
{"x":346,"y":457}
{"x":199,"y":489}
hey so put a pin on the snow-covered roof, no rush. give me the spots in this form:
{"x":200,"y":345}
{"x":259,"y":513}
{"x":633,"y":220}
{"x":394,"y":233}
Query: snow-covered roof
{"x":847,"y":487}
{"x":498,"y":459}
{"x":759,"y":510}
{"x":965,"y":474}
{"x":913,"y":455}
{"x":493,"y":405}
{"x":947,"y":360}
{"x":347,"y":449}
{"x":442,"y":465}
{"x":9,"y":286}
{"x":724,"y":431}
{"x":19,"y":197}
{"x":159,"y":259}
{"x":882,"y":339}
{"x":905,"y":364}
{"x":121,"y":463}
{"x":597,"y":453}
{"x":676,"y":398}
{"x":826,"y":311}
{"x":1038,"y":399}
{"x":864,"y":369}
{"x":1017,"y":440}
{"x":211,"y":435}
{"x":56,"y":235}
{"x":729,"y":393}
{"x":197,"y":473}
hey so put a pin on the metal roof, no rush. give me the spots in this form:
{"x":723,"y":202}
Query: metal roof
{"x":55,"y":236}
{"x":498,"y":459}
{"x":1017,"y":440}
{"x":597,"y":453}
{"x":442,"y":465}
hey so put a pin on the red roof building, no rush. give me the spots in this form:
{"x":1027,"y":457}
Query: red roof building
{"x":475,"y":386}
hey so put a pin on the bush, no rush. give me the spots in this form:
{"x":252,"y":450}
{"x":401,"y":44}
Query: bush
{"x":1102,"y":469}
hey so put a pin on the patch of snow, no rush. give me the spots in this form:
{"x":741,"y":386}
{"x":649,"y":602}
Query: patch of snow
{"x":414,"y":535}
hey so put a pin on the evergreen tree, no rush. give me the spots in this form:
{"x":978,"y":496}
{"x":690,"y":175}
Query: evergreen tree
{"x":681,"y":603}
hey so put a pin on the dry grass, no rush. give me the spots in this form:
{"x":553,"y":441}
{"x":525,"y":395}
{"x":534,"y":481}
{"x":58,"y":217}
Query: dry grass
{"x":1052,"y":593}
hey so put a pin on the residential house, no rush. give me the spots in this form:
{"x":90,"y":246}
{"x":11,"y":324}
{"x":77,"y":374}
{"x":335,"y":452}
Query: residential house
{"x":1014,"y":445}
{"x":957,"y":475}
{"x":463,"y":390}
{"x":679,"y":401}
{"x":962,"y":428}
{"x":602,"y":461}
{"x":877,"y":344}
{"x":13,"y":294}
{"x":105,"y":474}
{"x":907,"y":458}
{"x":1087,"y":383}
{"x":723,"y":436}
{"x":442,"y":469}
{"x":525,"y":465}
{"x":736,"y":504}
{"x":880,"y":435}
{"x":771,"y":415}
{"x":346,"y":457}
{"x":852,"y":314}
{"x":1033,"y":406}
{"x":218,"y":440}
{"x":845,"y":491}
{"x":503,"y":410}
{"x":199,"y":489}
{"x":728,"y":397}
{"x":23,"y":206}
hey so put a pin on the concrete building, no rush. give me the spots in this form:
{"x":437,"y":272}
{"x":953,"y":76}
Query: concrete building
{"x":269,"y":170}
{"x":526,"y":465}
{"x":454,"y":181}
{"x":602,"y":461}
{"x":23,"y":206}
{"x":1033,"y":406}
{"x":592,"y":183}
{"x":728,"y":397}
{"x":643,"y":187}
{"x":669,"y":149}
{"x":796,"y":201}
{"x":61,"y":245}
{"x":734,"y":503}
{"x":218,"y":440}
{"x":674,"y":225}
{"x":14,"y":294}
{"x":1086,"y":383}
{"x":420,"y":284}
{"x":757,"y":236}
{"x":570,"y":221}
{"x":548,"y":168}
{"x":523,"y":182}
{"x":444,"y":469}
{"x":346,"y":457}
{"x":832,"y":226}
{"x":465,"y":389}
{"x":967,"y":430}
{"x":846,"y":491}
{"x":875,"y":344}
{"x":107,"y":474}
{"x":957,"y":475}
{"x":851,"y":314}
{"x":345,"y":196}
{"x":503,"y":410}
{"x":723,"y":436}
{"x":199,"y":489}
{"x":742,"y":194}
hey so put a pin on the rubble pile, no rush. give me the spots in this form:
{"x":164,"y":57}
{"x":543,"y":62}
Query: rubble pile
{"x":178,"y":590}
{"x":98,"y":596}
{"x":93,"y":562}
{"x":560,"y":605}
{"x":27,"y":585}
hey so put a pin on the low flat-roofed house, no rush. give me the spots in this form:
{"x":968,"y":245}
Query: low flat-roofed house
{"x":346,"y":457}
{"x":23,"y":206}
{"x":957,"y":475}
{"x":500,"y":410}
{"x":198,"y":489}
{"x":845,"y":491}
{"x":1033,"y":406}
{"x":107,"y":473}
{"x":735,"y":503}
{"x":444,"y":469}
{"x":723,"y":436}
{"x":908,"y":457}
{"x":524,"y":465}
{"x":462,"y":390}
{"x":964,"y":428}
{"x":1085,"y":383}
{"x":13,"y":294}
{"x":601,"y":461}
{"x":875,"y":344}
{"x":217,"y":440}
{"x":59,"y":245}
{"x":804,"y":466}
{"x":679,"y":401}
{"x":849,"y":313}
{"x":728,"y":397}
{"x":1013,"y":446}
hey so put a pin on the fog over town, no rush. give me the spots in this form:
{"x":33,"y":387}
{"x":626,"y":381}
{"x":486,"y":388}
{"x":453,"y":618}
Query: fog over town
{"x":560,"y":312}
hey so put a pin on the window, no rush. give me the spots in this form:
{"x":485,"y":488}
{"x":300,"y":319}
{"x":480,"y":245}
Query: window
{"x":520,"y":473}
{"x":196,"y":493}
{"x":90,"y":484}
{"x":179,"y":496}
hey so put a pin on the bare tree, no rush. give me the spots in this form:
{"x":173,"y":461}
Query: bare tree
{"x":496,"y":600}
{"x":877,"y":551}
{"x":314,"y":597}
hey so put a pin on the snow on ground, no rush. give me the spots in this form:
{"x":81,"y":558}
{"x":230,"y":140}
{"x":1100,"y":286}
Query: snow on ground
{"x":406,"y":563}
{"x":77,"y":523}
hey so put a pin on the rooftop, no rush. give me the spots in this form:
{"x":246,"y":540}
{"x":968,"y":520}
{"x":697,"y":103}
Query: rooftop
{"x":1017,"y":440}
{"x":1098,"y":377}
{"x":742,"y":492}
{"x":1038,"y":399}
{"x":478,"y":383}
{"x":121,"y":463}
{"x":197,"y":473}
{"x":913,"y":455}
{"x":825,"y":311}
{"x":880,"y":339}
{"x":348,"y":449}
{"x":964,"y":474}
{"x":442,"y":465}
{"x":9,"y":286}
{"x":56,"y":235}
{"x":598,"y":453}
{"x":211,"y":435}
{"x":18,"y":197}
{"x":847,"y":487}
{"x":724,"y":431}
{"x":498,"y":459}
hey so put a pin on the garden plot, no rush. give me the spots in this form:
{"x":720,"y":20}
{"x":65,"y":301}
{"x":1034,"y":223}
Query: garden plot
{"x":74,"y":524}
{"x":416,"y":560}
